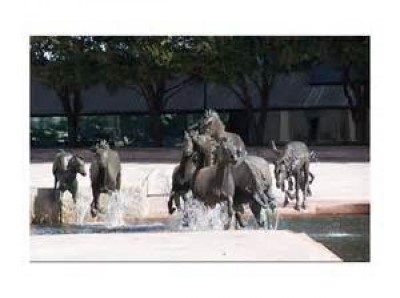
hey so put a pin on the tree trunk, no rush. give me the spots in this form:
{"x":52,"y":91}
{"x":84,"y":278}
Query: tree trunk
{"x":262,"y":119}
{"x":361,"y":120}
{"x":250,"y":125}
{"x":156,"y":132}
{"x":361,"y":112}
{"x":72,"y":110}
{"x":359,"y":109}
{"x":72,"y":129}
{"x":359,"y":105}
{"x":78,"y":105}
{"x":261,"y":126}
{"x":246,"y":100}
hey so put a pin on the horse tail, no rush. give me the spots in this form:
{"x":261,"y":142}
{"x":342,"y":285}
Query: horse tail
{"x":313,"y":156}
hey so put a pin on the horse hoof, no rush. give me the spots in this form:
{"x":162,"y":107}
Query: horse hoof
{"x":185,"y":222}
{"x":93,"y":212}
{"x":297,"y":207}
{"x":241,"y":226}
{"x":172,"y":210}
{"x":303,"y":206}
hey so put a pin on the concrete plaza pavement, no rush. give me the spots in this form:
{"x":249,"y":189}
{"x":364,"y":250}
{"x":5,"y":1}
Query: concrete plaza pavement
{"x":334,"y":181}
{"x":339,"y":188}
{"x":254,"y":245}
{"x":337,"y":184}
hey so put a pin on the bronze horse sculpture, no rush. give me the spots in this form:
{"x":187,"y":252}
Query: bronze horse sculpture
{"x":251,"y":174}
{"x":105,"y":173}
{"x":215,"y":184}
{"x":253,"y":184}
{"x":65,"y":168}
{"x":182,"y":175}
{"x":212,"y":125}
{"x":293,"y":161}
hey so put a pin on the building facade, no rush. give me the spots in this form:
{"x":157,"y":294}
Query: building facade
{"x":303,"y":106}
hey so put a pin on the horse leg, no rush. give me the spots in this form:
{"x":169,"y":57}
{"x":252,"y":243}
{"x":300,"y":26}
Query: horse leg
{"x":290,"y":183}
{"x":306,"y":185}
{"x":303,"y":205}
{"x":186,"y":202}
{"x":60,"y":206}
{"x":118,"y":181}
{"x":272,"y":211}
{"x":309,"y":192}
{"x":94,"y":204}
{"x":239,"y":221}
{"x":230,"y":213}
{"x":171,"y":209}
{"x":312,"y":177}
{"x":297,"y":183}
{"x":286,"y":201}
{"x":238,"y":211}
{"x":256,"y":210}
{"x":55,"y":183}
{"x":177,"y":200}
{"x":74,"y":190}
{"x":291,"y":196}
{"x":272,"y":202}
{"x":304,"y":190}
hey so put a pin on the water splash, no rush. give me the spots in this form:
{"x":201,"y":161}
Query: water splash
{"x":116,"y":209}
{"x":82,"y":208}
{"x":200,"y":218}
{"x":129,"y":204}
{"x":336,"y":235}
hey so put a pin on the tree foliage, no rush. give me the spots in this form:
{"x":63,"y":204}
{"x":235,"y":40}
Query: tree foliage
{"x":156,"y":68}
{"x":68,"y":65}
{"x":351,"y":56}
{"x":243,"y":63}
{"x":159,"y":67}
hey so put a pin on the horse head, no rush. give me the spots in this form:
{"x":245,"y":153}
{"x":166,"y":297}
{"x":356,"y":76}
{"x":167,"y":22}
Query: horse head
{"x":77,"y":164}
{"x":226,"y":152}
{"x":187,"y":144}
{"x":212,"y":124}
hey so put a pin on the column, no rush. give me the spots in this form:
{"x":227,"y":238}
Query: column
{"x":284,"y":134}
{"x":352,"y":128}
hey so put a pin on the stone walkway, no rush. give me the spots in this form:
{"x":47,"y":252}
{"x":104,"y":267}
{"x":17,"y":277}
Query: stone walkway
{"x":200,"y":246}
{"x":333,"y":182}
{"x":339,"y":188}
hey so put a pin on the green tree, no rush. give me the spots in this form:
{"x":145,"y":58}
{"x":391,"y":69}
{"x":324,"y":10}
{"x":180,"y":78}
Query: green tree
{"x":68,"y":65}
{"x":148,"y":65}
{"x":245,"y":63}
{"x":351,"y":56}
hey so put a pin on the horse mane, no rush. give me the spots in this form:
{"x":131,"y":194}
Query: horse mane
{"x":218,"y":127}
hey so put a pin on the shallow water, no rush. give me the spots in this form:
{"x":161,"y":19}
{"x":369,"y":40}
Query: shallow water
{"x":347,"y":236}
{"x":98,"y":228}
